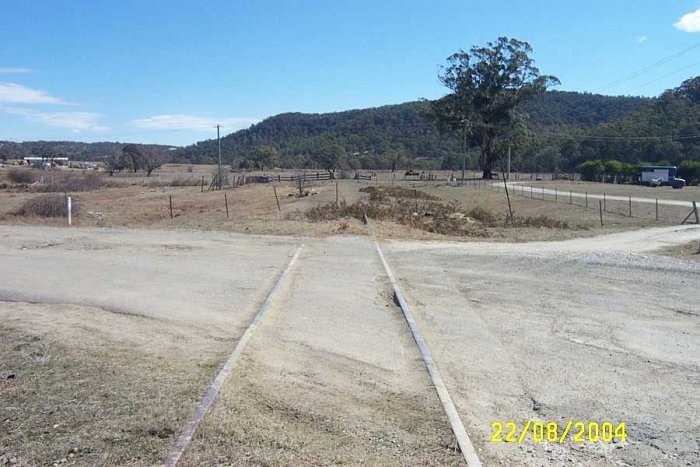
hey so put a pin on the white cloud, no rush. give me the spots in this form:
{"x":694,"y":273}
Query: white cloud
{"x":18,"y":94}
{"x":192,"y":122}
{"x":689,"y":22}
{"x":12,"y":70}
{"x":641,"y":39}
{"x":76,"y":121}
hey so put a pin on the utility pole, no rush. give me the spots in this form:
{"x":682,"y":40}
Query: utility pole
{"x":464,"y":151}
{"x":509,"y":161}
{"x":218,"y":140}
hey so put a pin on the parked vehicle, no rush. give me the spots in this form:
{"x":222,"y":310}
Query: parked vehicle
{"x":654,"y":182}
{"x":656,"y":175}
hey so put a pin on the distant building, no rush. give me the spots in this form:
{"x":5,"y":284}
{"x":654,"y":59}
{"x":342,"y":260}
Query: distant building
{"x":46,"y":162}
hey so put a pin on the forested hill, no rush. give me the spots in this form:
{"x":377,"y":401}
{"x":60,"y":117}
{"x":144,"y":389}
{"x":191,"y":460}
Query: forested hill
{"x":375,"y":134}
{"x":566,"y":110}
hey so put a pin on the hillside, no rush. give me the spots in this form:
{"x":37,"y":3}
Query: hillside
{"x":371,"y":137}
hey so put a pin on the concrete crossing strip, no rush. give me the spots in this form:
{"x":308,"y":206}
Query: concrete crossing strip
{"x":465,"y":444}
{"x":185,"y":437}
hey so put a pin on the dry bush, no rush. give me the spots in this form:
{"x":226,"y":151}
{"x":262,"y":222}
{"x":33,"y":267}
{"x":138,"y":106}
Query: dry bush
{"x":431,"y":216}
{"x":73,"y":183}
{"x":484,"y":216}
{"x":381,"y":193}
{"x":539,"y":221}
{"x":425,"y":214}
{"x":21,"y":176}
{"x":176,"y":182}
{"x":45,"y":206}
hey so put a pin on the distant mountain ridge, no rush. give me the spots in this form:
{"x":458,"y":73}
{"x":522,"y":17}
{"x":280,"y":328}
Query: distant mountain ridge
{"x":404,"y":128}
{"x":370,"y":137}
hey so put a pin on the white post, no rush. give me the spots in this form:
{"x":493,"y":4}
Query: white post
{"x":69,"y":205}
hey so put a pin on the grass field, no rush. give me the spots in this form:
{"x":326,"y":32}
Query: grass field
{"x":142,"y":202}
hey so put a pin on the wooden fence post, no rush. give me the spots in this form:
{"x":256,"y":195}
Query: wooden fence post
{"x":226,"y":202}
{"x":171,"y":206}
{"x":556,"y":195}
{"x":600,"y":209}
{"x":586,"y":200}
{"x":570,"y":198}
{"x":605,"y":205}
{"x":276,"y":198}
{"x":630,"y":211}
{"x":657,"y":209}
{"x":336,"y":194}
{"x":510,"y":208}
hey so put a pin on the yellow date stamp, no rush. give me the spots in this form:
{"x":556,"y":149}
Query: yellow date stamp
{"x":553,"y":432}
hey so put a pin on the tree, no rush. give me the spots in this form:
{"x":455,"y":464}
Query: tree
{"x":116,"y":162}
{"x":690,"y":171}
{"x":135,"y":155}
{"x":613,"y":169}
{"x":265,"y":156}
{"x":331,"y":156}
{"x":591,"y":170}
{"x":151,"y":159}
{"x":5,"y":152}
{"x":487,"y":84}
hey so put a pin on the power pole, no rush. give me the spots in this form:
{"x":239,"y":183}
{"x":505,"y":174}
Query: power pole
{"x":464,"y":151}
{"x":508,"y":161}
{"x":218,"y":141}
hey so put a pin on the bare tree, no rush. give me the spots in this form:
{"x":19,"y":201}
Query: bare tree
{"x":151,"y":159}
{"x":116,"y":162}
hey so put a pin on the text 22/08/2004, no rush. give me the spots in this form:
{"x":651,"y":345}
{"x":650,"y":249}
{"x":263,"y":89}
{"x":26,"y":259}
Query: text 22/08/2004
{"x":553,"y":432}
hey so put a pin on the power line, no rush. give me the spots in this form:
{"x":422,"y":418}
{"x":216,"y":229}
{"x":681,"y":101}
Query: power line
{"x":647,"y":68}
{"x":619,"y":138}
{"x":600,"y":138}
{"x":667,"y":75}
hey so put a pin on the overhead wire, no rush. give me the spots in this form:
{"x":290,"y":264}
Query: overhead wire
{"x":647,"y":68}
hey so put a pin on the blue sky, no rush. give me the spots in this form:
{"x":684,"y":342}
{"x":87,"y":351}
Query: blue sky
{"x":166,"y":71}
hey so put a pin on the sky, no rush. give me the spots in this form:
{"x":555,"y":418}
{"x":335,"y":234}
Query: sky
{"x":168,"y":71}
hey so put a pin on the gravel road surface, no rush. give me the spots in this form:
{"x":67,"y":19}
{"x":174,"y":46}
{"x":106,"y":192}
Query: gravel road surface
{"x":585,"y":330}
{"x":595,"y":329}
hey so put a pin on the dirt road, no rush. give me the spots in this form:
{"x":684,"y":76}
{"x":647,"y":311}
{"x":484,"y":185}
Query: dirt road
{"x":590,"y":329}
{"x":596,"y":196}
{"x":583,"y":330}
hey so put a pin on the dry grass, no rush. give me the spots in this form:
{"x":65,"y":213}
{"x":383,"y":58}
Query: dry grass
{"x":73,"y":182}
{"x":253,"y":209}
{"x":689,"y":251}
{"x":72,"y":393}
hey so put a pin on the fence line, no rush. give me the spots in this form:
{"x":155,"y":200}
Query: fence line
{"x":625,"y":207}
